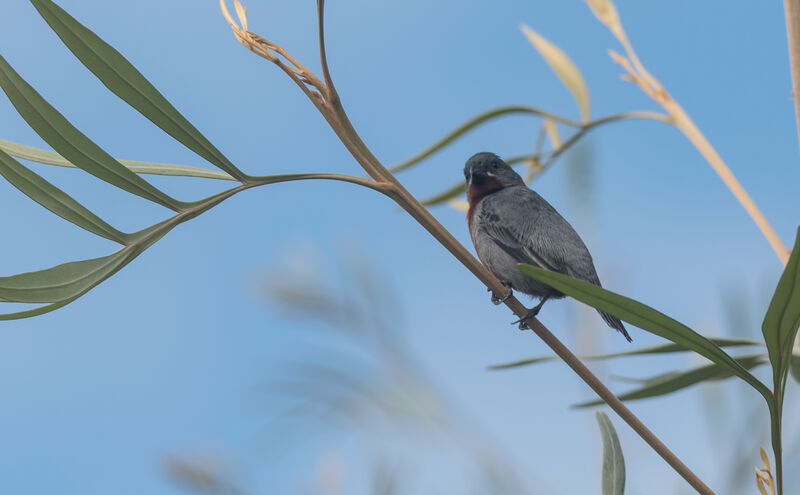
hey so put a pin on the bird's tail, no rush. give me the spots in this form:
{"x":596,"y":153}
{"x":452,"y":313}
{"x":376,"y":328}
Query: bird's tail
{"x":617,"y":325}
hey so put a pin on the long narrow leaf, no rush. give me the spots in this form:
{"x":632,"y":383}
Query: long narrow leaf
{"x":70,"y":143}
{"x":645,"y":318}
{"x":656,"y":349}
{"x":613,"y":461}
{"x":56,"y":200}
{"x":125,"y":81}
{"x":678,"y":380}
{"x":563,"y":66}
{"x":61,"y":282}
{"x":474,"y":122}
{"x":39,"y":155}
{"x":783,"y":318}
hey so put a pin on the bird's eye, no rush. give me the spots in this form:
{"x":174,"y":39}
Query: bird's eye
{"x":494,"y":165}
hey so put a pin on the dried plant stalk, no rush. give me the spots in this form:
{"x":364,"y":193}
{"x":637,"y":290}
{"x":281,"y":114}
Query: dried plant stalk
{"x":635,"y":72}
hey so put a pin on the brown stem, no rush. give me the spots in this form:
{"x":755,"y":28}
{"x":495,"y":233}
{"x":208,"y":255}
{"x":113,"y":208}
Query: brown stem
{"x":334,"y":113}
{"x":409,"y":203}
{"x":637,"y":73}
{"x":792,"y":9}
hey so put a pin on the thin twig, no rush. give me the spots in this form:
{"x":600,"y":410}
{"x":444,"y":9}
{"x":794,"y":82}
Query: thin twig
{"x":792,"y":10}
{"x":636,"y":73}
{"x":342,"y":126}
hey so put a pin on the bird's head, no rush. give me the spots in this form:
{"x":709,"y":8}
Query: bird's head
{"x":486,"y":173}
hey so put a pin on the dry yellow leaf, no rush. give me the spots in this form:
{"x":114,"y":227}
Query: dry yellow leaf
{"x":564,"y":68}
{"x":552,"y":133}
{"x":605,"y":11}
{"x":459,"y":205}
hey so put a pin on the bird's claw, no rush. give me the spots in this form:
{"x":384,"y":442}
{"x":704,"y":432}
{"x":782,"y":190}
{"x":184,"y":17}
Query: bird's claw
{"x":498,"y":300}
{"x":523,"y":322}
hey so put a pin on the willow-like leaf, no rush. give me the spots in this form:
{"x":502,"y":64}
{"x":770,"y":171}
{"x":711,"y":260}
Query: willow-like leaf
{"x":475,"y":122}
{"x":563,"y":66}
{"x":461,"y":187}
{"x":60,"y":283}
{"x":64,"y":283}
{"x":70,"y":143}
{"x":678,"y":380}
{"x":56,"y":200}
{"x":125,"y":81}
{"x":613,"y":479}
{"x":783,"y":319}
{"x":45,"y":157}
{"x":645,"y":318}
{"x":656,"y":349}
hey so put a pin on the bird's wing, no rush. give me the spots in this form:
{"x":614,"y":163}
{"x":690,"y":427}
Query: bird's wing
{"x":515,"y":235}
{"x":534,"y":233}
{"x":510,"y":241}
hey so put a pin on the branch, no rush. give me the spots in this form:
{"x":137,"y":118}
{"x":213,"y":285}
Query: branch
{"x":533,"y":160}
{"x":343,"y":128}
{"x":636,"y":73}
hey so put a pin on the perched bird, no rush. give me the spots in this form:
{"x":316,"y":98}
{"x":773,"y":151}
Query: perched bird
{"x":511,"y":224}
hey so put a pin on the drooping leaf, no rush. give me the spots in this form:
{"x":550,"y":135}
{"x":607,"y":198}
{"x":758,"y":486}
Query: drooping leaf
{"x":56,"y":200}
{"x":475,"y":122}
{"x":645,"y":318}
{"x":613,"y":480}
{"x":62,"y":282}
{"x":446,"y":195}
{"x":459,"y":205}
{"x":564,"y":68}
{"x":673,"y":381}
{"x":50,"y":158}
{"x":461,"y":187}
{"x":551,"y":129}
{"x":605,"y":11}
{"x":70,"y":143}
{"x":783,"y":319}
{"x":125,"y":81}
{"x":656,"y":349}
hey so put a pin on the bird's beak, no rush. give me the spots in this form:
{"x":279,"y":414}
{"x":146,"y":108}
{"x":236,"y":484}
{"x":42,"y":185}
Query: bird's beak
{"x":469,"y":177}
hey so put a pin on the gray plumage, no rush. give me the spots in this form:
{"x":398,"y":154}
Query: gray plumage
{"x":510,"y":224}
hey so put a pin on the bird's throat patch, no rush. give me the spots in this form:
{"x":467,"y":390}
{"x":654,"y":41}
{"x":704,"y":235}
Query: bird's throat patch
{"x":479,"y":190}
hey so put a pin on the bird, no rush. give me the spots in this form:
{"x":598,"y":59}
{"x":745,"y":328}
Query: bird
{"x":510,"y":223}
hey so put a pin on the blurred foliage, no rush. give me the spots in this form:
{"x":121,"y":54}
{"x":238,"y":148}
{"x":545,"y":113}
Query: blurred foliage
{"x":367,"y":380}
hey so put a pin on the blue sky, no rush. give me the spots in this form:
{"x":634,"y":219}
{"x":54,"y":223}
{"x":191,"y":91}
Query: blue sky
{"x":167,"y":357}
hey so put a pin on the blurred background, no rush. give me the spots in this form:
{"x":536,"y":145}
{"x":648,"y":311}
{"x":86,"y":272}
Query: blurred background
{"x":311,"y":338}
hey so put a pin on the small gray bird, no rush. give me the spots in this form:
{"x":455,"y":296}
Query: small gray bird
{"x":511,"y":224}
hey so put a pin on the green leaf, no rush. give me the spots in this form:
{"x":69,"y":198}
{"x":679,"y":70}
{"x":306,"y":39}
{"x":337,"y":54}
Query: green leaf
{"x":56,"y":200}
{"x":63,"y":282}
{"x":613,"y":460}
{"x":125,"y":81}
{"x":50,"y":158}
{"x":70,"y":143}
{"x":461,"y":187}
{"x":475,"y":122}
{"x":656,"y":349}
{"x":645,"y":318}
{"x":677,"y":380}
{"x":564,"y":68}
{"x":783,"y":318}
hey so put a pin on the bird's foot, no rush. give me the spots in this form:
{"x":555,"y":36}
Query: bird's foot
{"x":500,"y":300}
{"x":523,"y":322}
